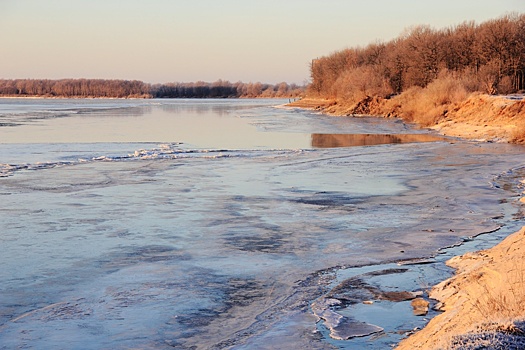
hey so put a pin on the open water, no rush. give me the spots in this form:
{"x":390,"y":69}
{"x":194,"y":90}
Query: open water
{"x":212,"y":224}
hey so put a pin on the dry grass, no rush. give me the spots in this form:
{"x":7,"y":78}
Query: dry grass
{"x":518,"y":135}
{"x":503,"y":296}
{"x":424,"y":106}
{"x":428,"y":106}
{"x":449,"y":105}
{"x":483,"y":304}
{"x":498,"y":303}
{"x":491,"y":336}
{"x":501,"y":306}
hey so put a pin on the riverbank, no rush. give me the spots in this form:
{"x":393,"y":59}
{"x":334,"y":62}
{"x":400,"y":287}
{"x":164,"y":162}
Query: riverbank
{"x":484,"y":303}
{"x":477,"y":117}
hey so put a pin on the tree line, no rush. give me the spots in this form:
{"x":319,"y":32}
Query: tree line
{"x":74,"y":88}
{"x":226,"y":89}
{"x":488,"y":57}
{"x":103,"y":88}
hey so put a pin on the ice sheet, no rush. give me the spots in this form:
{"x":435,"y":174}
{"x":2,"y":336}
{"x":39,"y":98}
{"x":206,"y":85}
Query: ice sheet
{"x":175,"y":245}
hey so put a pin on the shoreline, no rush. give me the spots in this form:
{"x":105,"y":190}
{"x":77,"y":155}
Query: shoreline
{"x":40,"y":97}
{"x":483,"y":302}
{"x":479,"y":117}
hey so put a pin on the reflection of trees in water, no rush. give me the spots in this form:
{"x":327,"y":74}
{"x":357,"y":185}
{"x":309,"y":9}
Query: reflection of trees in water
{"x":196,"y":108}
{"x":350,"y":140}
{"x":202,"y":107}
{"x":24,"y":118}
{"x":135,"y":111}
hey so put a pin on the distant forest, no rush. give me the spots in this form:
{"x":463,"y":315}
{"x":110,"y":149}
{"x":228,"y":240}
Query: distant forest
{"x":101,"y":88}
{"x":487,"y":57}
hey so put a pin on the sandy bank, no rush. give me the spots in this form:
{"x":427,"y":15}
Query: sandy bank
{"x":487,"y":118}
{"x":484,"y":303}
{"x":480,"y":117}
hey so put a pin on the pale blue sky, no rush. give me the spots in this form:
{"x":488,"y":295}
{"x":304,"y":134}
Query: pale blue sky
{"x":161,"y":41}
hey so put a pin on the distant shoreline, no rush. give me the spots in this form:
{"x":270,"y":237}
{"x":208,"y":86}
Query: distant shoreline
{"x":104,"y":88}
{"x":42,"y":97}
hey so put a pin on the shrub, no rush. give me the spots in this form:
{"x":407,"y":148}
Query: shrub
{"x":427,"y":106}
{"x":356,"y":84}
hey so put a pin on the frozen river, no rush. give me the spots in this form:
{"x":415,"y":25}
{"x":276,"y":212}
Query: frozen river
{"x":211,"y":224}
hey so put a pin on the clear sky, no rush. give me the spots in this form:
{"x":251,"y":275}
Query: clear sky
{"x":160,"y":41}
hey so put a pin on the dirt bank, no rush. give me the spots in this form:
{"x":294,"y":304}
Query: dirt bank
{"x":481,"y":117}
{"x":486,"y":117}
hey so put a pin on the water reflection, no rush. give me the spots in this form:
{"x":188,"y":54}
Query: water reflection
{"x":352,"y":140}
{"x":218,"y":107}
{"x":201,"y":123}
{"x":213,"y":124}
